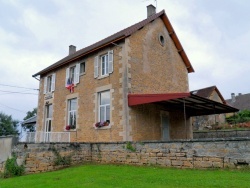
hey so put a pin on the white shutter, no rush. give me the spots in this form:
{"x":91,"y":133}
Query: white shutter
{"x":96,"y":67}
{"x":67,"y":77}
{"x":110,"y":60}
{"x":77,"y":74}
{"x":45,"y":85}
{"x":53,"y":82}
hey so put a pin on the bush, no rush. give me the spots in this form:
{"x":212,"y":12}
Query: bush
{"x":241,"y":117}
{"x":11,"y":168}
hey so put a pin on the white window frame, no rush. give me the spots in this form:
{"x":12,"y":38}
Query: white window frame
{"x":48,"y":122}
{"x":75,"y":78}
{"x":104,"y":105}
{"x":103,"y":64}
{"x":72,"y":111}
{"x":49,"y":83}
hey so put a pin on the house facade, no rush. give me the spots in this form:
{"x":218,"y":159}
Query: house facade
{"x":103,"y":81}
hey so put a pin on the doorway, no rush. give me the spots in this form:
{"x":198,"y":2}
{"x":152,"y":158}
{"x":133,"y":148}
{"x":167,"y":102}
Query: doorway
{"x":165,"y":126}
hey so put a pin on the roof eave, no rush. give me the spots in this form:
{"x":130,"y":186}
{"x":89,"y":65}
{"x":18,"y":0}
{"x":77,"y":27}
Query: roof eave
{"x":177,"y":43}
{"x":77,"y":57}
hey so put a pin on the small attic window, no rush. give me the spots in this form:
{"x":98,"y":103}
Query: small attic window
{"x":161,"y":39}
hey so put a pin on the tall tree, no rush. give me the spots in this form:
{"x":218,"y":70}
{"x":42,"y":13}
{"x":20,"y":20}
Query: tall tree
{"x":8,"y":126}
{"x":30,"y":126}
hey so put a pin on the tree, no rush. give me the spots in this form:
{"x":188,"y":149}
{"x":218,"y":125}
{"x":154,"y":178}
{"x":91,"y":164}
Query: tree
{"x":8,"y":126}
{"x":30,"y":126}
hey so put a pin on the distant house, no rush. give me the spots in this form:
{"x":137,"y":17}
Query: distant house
{"x":136,"y":80}
{"x":203,"y":122}
{"x":241,"y":101}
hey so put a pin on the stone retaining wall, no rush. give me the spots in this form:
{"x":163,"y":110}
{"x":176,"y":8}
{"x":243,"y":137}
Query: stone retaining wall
{"x":180,"y":154}
{"x":221,"y":134}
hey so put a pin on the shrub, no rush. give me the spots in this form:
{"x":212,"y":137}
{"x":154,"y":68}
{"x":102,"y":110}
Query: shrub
{"x":11,"y":168}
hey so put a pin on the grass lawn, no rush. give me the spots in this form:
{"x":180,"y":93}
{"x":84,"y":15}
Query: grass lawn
{"x":93,"y":175}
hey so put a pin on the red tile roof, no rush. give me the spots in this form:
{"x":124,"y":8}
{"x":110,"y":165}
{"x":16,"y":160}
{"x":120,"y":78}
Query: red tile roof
{"x":119,"y":36}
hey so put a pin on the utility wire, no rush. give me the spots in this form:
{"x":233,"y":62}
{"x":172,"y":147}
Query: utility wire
{"x":12,"y":108}
{"x":10,"y":92}
{"x":17,"y":86}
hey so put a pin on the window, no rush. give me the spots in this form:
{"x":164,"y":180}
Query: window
{"x":104,"y":106}
{"x":72,"y":71}
{"x":162,"y":40}
{"x":72,"y":75}
{"x":49,"y":83}
{"x":82,"y":68}
{"x":72,"y":105}
{"x":48,"y":120}
{"x":103,"y":63}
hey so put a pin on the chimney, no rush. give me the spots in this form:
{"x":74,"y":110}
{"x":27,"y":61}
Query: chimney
{"x":233,"y":97}
{"x":72,"y":49}
{"x":151,"y":10}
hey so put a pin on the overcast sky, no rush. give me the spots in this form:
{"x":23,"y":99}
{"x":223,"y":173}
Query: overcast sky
{"x":36,"y":33}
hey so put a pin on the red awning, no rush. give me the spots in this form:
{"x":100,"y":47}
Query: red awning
{"x":135,"y":99}
{"x":194,"y":105}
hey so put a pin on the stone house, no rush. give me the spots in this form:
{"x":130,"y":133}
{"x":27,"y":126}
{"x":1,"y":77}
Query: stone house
{"x":206,"y":122}
{"x":136,"y":78}
{"x":240,"y":101}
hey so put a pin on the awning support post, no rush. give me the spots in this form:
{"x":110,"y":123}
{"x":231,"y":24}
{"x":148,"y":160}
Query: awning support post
{"x":184,"y":105}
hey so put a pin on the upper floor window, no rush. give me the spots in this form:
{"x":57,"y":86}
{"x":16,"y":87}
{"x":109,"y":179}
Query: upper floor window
{"x":72,"y":72}
{"x":82,"y":67}
{"x":72,"y":75}
{"x":103,"y":64}
{"x":49,"y":83}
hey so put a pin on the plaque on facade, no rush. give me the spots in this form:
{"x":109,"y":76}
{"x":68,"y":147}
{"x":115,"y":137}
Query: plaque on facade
{"x":48,"y":96}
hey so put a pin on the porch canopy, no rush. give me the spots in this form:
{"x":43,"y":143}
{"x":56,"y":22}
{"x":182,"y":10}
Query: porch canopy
{"x":193,"y":105}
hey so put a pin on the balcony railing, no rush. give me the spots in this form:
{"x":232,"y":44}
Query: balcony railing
{"x":47,"y":137}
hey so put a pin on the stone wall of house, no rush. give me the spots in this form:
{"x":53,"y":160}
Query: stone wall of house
{"x":218,"y":153}
{"x":221,"y":134}
{"x":155,"y":67}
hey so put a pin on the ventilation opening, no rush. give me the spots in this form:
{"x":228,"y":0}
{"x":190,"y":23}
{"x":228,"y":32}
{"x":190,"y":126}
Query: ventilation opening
{"x":162,"y":40}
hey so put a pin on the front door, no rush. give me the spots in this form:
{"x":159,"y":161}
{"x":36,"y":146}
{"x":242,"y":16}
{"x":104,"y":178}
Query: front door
{"x":165,"y":127}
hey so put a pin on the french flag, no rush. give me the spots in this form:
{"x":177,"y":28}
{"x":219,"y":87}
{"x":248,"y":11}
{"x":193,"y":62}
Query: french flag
{"x":70,"y":85}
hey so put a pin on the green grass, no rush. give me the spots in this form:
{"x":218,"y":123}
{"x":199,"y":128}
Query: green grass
{"x":93,"y":175}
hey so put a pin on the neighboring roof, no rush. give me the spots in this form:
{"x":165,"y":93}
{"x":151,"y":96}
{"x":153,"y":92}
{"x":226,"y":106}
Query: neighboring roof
{"x":241,"y":102}
{"x":206,"y":93}
{"x":122,"y":35}
{"x":194,"y":105}
{"x":31,"y":120}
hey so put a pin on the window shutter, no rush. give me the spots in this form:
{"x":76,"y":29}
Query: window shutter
{"x":110,"y":60}
{"x":53,"y":82}
{"x":77,"y":74}
{"x":45,"y":85}
{"x":67,"y":77}
{"x":96,"y":67}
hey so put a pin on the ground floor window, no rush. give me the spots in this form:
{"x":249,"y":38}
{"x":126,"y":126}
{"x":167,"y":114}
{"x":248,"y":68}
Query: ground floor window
{"x":48,"y":122}
{"x":72,"y":109}
{"x":104,"y":105}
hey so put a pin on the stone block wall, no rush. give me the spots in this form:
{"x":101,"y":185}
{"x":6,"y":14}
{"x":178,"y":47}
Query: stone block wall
{"x":234,"y":153}
{"x":221,"y":134}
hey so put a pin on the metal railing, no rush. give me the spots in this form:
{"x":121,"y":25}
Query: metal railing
{"x":47,"y":137}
